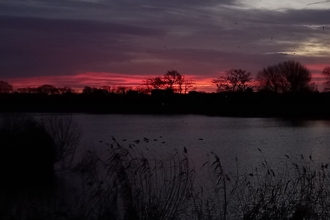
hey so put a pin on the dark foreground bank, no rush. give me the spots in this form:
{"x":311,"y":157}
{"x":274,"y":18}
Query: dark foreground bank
{"x":246,"y":104}
{"x":126,"y":182}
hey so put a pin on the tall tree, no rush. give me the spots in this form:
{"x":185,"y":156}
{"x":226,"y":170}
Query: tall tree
{"x":156,"y":83}
{"x":270,"y":79}
{"x":288,"y":76}
{"x":48,"y":89}
{"x":171,"y":78}
{"x":87,"y":90}
{"x":188,"y":84}
{"x":151,"y":84}
{"x":5,"y":87}
{"x":326,"y":73}
{"x":180,"y":81}
{"x":235,"y":80}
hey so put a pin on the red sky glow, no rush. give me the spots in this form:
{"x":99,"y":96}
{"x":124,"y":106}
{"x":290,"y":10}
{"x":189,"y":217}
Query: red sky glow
{"x":122,"y":42}
{"x":97,"y":80}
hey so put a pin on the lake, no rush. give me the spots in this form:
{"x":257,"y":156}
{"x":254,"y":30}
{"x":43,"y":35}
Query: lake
{"x":227,"y":137}
{"x":109,"y":187}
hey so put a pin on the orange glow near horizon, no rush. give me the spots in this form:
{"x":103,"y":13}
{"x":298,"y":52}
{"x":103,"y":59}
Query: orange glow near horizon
{"x":317,"y":76}
{"x":98,"y":79}
{"x":94,"y":79}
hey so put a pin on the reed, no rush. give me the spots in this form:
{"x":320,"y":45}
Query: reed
{"x":297,"y":190}
{"x":125,"y":182}
{"x":148,"y":188}
{"x":140,"y":186}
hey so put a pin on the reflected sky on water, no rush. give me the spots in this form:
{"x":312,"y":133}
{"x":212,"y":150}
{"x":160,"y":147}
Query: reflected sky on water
{"x":227,"y":137}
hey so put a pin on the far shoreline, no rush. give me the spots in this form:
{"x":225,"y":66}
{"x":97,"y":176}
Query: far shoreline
{"x":297,"y":106}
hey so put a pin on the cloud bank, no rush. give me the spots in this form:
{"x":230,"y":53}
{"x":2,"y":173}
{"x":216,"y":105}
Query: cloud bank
{"x":147,"y":38}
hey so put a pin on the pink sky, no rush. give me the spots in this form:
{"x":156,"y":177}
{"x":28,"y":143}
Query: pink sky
{"x":81,"y":80}
{"x":117,"y":42}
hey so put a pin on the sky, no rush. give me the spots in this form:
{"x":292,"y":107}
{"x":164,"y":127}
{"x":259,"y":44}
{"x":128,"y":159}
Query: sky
{"x":79,"y":43}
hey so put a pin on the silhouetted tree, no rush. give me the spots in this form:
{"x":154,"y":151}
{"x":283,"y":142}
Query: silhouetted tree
{"x":188,"y":85}
{"x":180,"y":82}
{"x":23,"y":90}
{"x":171,"y":78}
{"x":326,"y":73}
{"x":122,"y":90}
{"x":153,"y":83}
{"x":235,"y":80}
{"x":287,"y":76}
{"x":27,"y":151}
{"x":5,"y":87}
{"x":270,"y":79}
{"x":109,"y":89}
{"x":27,"y":90}
{"x":66,"y":136}
{"x":48,"y":89}
{"x":87,"y":90}
{"x":65,"y":90}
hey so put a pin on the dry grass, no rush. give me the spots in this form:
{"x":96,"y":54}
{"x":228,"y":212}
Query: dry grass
{"x":299,"y":190}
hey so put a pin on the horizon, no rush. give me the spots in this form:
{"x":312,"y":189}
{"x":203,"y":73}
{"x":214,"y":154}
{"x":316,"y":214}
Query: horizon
{"x":97,"y":80}
{"x":120,"y":43}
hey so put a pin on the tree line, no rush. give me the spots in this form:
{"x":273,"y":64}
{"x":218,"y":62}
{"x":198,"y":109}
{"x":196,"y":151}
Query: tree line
{"x":284,"y":77}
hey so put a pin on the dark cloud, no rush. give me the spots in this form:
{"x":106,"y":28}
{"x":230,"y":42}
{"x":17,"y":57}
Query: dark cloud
{"x":60,"y":26}
{"x":45,"y":46}
{"x":149,"y":37}
{"x":99,"y":9}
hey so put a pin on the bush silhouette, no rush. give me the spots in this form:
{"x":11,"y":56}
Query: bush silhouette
{"x":27,"y":151}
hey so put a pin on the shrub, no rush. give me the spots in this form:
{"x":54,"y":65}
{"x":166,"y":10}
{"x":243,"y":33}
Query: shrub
{"x":27,"y":151}
{"x":66,"y":136}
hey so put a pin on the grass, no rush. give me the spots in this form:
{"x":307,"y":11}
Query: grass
{"x":299,"y":190}
{"x":128,"y":183}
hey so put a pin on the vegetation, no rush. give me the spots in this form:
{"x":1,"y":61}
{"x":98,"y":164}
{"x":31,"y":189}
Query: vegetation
{"x":237,"y":104}
{"x":30,"y":148}
{"x":66,"y":136}
{"x":285,"y":77}
{"x":5,"y":87}
{"x":27,"y":151}
{"x":127,"y":183}
{"x":326,"y":73}
{"x":45,"y":176}
{"x":282,"y":90}
{"x":235,"y":80}
{"x":172,"y":80}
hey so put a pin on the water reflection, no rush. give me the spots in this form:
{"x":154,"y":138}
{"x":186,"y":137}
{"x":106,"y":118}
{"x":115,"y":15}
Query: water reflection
{"x":303,"y":123}
{"x":227,"y":137}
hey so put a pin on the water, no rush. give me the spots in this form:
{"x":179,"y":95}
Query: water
{"x":227,"y":137}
